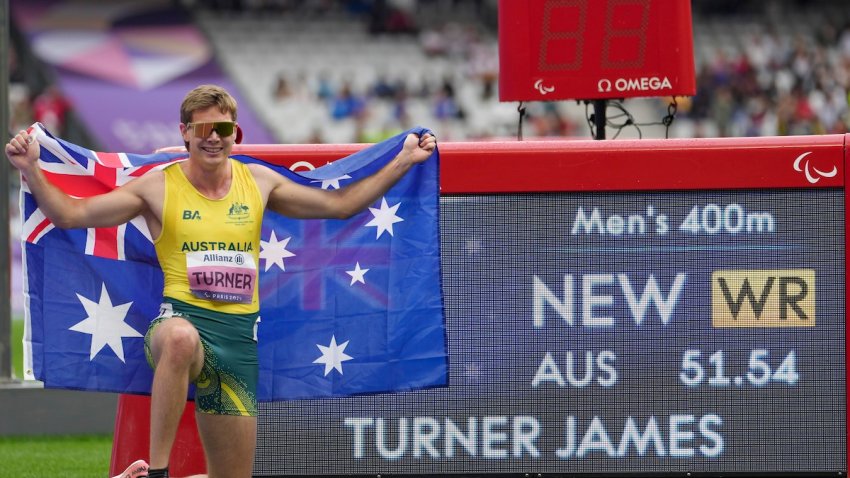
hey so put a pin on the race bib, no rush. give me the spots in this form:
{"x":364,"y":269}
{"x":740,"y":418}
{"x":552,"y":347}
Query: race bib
{"x":224,"y":276}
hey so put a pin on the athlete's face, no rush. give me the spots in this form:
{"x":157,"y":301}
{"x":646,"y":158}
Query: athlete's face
{"x":206,"y":145}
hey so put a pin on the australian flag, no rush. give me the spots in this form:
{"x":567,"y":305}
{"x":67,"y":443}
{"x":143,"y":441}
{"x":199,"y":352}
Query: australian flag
{"x":347,"y":306}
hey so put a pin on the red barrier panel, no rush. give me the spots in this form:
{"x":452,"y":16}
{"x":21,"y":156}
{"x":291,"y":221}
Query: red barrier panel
{"x":131,"y":440}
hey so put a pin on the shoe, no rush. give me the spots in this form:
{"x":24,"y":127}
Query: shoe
{"x":138,"y":469}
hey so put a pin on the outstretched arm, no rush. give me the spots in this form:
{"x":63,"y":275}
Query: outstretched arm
{"x":110,"y":209}
{"x":295,"y":200}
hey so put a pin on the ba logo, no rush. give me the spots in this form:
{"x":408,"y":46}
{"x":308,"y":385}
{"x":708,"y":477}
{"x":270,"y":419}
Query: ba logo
{"x":189,"y":215}
{"x":763,"y":298}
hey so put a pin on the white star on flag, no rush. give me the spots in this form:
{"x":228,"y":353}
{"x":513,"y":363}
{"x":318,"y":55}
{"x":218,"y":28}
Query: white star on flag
{"x":274,"y":252}
{"x":333,"y":356}
{"x":357,"y":274}
{"x":384,"y":218}
{"x":105,"y":323}
{"x":333,"y":182}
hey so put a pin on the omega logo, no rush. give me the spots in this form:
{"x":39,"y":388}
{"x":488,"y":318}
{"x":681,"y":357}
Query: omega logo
{"x":645,"y":83}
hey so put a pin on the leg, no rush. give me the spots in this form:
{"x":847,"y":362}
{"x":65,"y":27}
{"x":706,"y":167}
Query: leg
{"x":229,"y":443}
{"x":178,"y":355}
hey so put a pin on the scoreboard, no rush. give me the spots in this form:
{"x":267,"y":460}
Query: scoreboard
{"x":620,"y":308}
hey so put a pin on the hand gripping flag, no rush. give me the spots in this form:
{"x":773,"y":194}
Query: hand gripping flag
{"x":347,"y":306}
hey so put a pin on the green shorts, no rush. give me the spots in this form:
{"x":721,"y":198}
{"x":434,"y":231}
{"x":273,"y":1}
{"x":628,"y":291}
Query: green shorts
{"x":227,"y":384}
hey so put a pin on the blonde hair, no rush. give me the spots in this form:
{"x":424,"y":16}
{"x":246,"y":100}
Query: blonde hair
{"x":206,"y":96}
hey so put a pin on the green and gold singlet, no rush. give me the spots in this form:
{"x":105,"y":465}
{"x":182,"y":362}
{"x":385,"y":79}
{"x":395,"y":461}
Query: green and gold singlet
{"x":209,"y":248}
{"x":209,"y":252}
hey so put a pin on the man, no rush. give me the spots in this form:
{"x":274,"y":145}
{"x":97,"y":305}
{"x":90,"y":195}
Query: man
{"x":205,"y":332}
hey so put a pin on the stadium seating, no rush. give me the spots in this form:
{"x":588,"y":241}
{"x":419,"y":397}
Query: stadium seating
{"x":763,"y":68}
{"x":732,"y":45}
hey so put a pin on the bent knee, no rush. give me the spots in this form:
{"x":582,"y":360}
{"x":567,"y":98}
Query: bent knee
{"x":177,"y":339}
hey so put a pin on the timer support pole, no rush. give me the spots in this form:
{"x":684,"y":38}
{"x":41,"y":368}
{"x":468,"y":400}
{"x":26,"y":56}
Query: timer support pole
{"x":599,"y":118}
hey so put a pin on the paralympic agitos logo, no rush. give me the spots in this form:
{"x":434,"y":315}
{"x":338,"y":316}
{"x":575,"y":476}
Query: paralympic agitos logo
{"x":813,"y":174}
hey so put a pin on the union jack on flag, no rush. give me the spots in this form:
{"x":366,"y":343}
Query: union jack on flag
{"x":347,"y":307}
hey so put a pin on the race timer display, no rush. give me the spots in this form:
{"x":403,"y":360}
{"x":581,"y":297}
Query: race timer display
{"x":594,"y":49}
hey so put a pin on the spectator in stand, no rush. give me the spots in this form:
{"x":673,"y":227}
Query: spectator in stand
{"x":392,"y":16}
{"x":445,"y":105}
{"x":282,"y":91}
{"x":324,"y":88}
{"x":722,"y":109}
{"x":399,"y":110}
{"x":16,"y":74}
{"x":50,"y":108}
{"x":383,"y":88}
{"x":547,"y":121}
{"x":20,"y":107}
{"x":347,"y":104}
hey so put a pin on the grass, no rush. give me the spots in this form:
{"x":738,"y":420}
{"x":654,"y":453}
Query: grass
{"x":39,"y":457}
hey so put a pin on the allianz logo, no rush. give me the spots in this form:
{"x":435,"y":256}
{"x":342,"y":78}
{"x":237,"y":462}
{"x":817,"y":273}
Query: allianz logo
{"x":644,"y":83}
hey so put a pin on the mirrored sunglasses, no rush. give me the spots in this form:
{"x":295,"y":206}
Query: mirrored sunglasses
{"x":203,"y":130}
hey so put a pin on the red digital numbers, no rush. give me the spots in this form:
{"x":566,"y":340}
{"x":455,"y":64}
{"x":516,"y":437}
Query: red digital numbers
{"x":564,"y":30}
{"x":624,"y":44}
{"x":562,"y":48}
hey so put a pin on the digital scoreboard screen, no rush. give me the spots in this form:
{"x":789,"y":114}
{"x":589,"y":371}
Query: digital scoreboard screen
{"x":676,"y":326}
